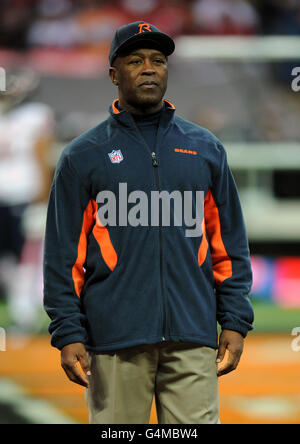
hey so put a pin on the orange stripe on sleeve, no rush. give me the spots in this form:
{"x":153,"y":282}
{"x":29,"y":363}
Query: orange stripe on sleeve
{"x":101,"y":235}
{"x":202,"y":253}
{"x":77,"y":270}
{"x":222,"y":265}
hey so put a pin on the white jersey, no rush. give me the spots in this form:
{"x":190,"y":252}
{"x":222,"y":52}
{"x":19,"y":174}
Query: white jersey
{"x":20,"y":129}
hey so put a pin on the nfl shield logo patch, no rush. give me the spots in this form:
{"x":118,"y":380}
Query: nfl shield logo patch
{"x":116,"y":156}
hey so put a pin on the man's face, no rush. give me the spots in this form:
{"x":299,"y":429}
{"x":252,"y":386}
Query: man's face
{"x":141,"y":77}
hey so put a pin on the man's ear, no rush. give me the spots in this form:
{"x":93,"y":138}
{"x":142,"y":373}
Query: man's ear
{"x":113,"y":75}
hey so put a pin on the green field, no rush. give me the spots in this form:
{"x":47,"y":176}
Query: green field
{"x":6,"y":321}
{"x":4,"y":315}
{"x":271,"y":318}
{"x":268,"y":318}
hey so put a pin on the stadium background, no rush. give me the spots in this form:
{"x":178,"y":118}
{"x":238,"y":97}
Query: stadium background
{"x":232,"y":73}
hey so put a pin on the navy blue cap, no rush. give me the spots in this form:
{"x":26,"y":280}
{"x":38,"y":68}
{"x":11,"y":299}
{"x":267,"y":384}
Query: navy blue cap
{"x":140,"y":34}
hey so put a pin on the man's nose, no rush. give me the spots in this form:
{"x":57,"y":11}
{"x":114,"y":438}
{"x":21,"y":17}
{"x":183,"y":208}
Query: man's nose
{"x":148,"y":68}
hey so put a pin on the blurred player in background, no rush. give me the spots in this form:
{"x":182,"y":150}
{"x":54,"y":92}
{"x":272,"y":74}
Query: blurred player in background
{"x":26,"y":134}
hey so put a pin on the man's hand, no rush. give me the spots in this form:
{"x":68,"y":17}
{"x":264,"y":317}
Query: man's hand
{"x":234,"y":343}
{"x":70,"y":355}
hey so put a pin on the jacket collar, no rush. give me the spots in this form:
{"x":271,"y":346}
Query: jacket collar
{"x":126,"y":119}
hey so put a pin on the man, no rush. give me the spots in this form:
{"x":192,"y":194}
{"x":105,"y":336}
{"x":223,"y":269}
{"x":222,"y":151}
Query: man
{"x":142,"y":296}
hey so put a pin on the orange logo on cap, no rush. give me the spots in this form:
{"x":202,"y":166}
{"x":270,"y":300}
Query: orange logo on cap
{"x":144,"y":27}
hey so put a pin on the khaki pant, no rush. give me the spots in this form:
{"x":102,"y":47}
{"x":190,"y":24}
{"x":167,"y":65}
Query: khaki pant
{"x":182,"y":376}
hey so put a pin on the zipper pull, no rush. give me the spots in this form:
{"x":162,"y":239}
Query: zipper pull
{"x":154,"y":160}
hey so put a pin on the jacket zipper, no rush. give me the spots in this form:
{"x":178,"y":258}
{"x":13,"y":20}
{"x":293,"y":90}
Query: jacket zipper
{"x":154,"y":160}
{"x":155,"y":165}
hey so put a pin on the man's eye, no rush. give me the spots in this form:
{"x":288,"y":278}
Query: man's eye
{"x":132,"y":62}
{"x":159,"y":61}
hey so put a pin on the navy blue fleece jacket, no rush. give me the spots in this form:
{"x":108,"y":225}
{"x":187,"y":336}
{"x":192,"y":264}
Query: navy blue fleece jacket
{"x":116,"y":285}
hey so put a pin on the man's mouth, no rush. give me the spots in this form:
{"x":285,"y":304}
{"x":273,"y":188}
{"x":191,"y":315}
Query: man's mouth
{"x":149,"y":84}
